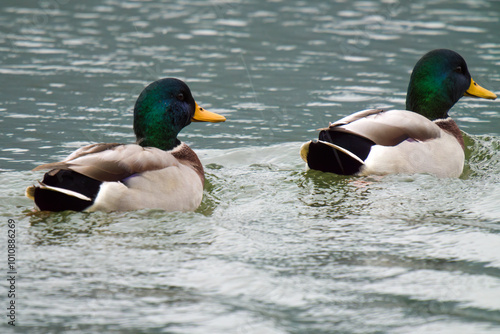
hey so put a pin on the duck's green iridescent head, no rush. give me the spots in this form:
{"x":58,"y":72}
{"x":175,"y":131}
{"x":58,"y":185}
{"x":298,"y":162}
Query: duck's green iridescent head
{"x":439,"y":79}
{"x":163,"y":109}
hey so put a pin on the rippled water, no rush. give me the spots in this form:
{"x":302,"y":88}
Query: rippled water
{"x":273,"y":248}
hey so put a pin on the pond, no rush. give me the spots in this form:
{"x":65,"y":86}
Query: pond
{"x":273,"y":248}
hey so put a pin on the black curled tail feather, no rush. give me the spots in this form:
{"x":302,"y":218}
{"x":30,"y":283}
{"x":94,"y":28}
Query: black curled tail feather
{"x":53,"y":200}
{"x":327,"y":158}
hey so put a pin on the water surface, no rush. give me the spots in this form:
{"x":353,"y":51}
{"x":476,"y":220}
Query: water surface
{"x":273,"y":248}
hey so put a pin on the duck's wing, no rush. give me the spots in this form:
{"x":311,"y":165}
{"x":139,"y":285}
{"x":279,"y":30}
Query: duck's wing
{"x":387,"y":127}
{"x":113,"y":162}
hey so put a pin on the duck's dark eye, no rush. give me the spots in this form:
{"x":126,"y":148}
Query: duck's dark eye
{"x":180,"y":97}
{"x":459,"y":69}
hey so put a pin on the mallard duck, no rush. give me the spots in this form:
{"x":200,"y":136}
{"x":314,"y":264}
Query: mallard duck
{"x":421,"y":139}
{"x":158,"y":172}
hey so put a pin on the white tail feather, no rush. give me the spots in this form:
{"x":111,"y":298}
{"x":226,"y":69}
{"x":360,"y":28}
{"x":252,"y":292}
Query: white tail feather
{"x":66,"y":192}
{"x":343,"y":150}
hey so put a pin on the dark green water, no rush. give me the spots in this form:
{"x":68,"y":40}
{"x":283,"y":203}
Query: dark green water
{"x":273,"y":249}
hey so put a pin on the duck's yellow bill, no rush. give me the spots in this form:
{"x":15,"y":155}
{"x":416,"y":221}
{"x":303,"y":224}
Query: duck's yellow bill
{"x":202,"y":115}
{"x":477,"y":91}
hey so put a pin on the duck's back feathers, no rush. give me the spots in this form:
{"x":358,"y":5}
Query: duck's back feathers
{"x":114,"y":177}
{"x":387,"y":127}
{"x":113,"y":162}
{"x":377,"y":141}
